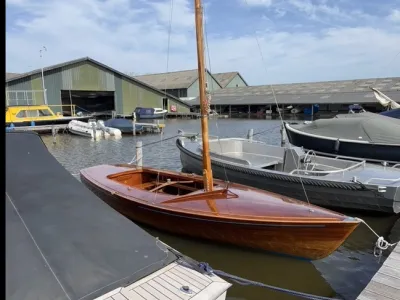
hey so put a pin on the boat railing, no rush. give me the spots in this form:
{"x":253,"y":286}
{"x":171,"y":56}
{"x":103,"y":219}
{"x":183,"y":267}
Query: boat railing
{"x":217,"y":138}
{"x":71,"y":108}
{"x":326,"y":172}
{"x":396,"y":166}
{"x":383,"y":180}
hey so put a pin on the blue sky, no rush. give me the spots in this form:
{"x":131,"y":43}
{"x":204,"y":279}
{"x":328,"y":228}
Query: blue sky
{"x":267,"y":41}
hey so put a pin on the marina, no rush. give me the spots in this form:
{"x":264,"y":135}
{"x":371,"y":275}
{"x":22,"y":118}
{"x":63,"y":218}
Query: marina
{"x":238,"y":192}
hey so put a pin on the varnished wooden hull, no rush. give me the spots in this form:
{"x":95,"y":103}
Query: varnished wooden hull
{"x":311,"y":241}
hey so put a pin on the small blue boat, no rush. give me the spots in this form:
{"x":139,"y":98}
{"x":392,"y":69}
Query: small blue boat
{"x":125,"y":125}
{"x":393,"y":113}
{"x":150,"y":113}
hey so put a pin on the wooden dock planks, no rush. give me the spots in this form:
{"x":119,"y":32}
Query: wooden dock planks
{"x":167,"y":283}
{"x":385,"y":285}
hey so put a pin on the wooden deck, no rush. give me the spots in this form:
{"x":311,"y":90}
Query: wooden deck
{"x":170,"y":283}
{"x":385,"y":285}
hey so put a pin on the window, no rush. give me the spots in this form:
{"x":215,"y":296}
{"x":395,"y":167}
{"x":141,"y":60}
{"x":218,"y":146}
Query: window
{"x":32,"y":113}
{"x":44,"y":113}
{"x":21,"y":114}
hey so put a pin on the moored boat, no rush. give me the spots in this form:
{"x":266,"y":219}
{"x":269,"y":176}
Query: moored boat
{"x":332,"y":182}
{"x":124,"y":125}
{"x":233,"y":214}
{"x":92,"y":129}
{"x":365,"y":135}
{"x":26,"y":115}
{"x":150,"y":113}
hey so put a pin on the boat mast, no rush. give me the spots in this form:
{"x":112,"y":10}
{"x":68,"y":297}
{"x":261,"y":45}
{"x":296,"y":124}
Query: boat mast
{"x":207,"y":173}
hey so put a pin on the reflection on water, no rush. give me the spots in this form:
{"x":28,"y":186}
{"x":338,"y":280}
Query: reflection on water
{"x":344,"y":273}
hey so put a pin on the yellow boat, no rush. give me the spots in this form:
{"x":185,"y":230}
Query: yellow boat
{"x":24,"y":115}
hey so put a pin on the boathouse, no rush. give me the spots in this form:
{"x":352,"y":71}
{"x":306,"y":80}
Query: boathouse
{"x":331,"y":96}
{"x":91,"y":86}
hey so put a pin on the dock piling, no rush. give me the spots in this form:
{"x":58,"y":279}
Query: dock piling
{"x":54,"y":132}
{"x":250,"y":135}
{"x":94,"y":130}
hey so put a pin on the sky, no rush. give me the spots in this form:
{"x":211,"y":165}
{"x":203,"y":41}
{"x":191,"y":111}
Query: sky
{"x":267,"y":41}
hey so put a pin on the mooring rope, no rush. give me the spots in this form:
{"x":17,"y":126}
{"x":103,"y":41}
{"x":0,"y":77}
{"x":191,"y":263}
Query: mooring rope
{"x":381,"y":244}
{"x":205,"y":268}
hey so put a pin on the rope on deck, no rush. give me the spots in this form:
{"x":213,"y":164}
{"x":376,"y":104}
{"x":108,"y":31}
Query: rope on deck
{"x":205,"y":268}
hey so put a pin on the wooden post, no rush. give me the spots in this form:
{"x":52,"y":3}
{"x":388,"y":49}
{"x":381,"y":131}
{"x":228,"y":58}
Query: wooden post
{"x":250,"y":135}
{"x":94,"y":131}
{"x":207,"y":172}
{"x":54,"y":133}
{"x":139,"y":154}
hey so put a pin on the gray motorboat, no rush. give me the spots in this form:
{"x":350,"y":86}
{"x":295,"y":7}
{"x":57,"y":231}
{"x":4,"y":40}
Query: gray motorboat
{"x":366,"y":135}
{"x":328,"y":181}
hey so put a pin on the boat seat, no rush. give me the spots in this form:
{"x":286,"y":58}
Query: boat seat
{"x":270,"y":163}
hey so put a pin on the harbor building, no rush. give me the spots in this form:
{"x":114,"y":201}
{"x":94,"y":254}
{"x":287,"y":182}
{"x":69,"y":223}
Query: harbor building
{"x":90,"y":86}
{"x":185,"y":84}
{"x":230,"y":79}
{"x":330,"y":96}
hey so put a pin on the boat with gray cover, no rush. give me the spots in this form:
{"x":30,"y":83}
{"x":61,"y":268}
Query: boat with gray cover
{"x":328,"y":182}
{"x":365,"y":135}
{"x":62,"y":242}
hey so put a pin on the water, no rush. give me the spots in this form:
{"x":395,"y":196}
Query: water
{"x":343,"y":274}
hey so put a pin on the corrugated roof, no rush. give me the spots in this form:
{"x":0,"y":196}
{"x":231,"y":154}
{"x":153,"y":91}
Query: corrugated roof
{"x":88,"y":59}
{"x":225,"y":78}
{"x":11,"y":75}
{"x":171,"y":80}
{"x":345,"y":91}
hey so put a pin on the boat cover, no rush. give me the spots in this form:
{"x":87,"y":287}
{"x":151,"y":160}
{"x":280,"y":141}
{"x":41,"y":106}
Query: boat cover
{"x":62,"y":241}
{"x":393,"y":113}
{"x":144,"y":111}
{"x":123,"y":124}
{"x":365,"y":126}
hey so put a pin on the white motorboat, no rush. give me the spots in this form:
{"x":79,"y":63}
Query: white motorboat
{"x":92,"y":129}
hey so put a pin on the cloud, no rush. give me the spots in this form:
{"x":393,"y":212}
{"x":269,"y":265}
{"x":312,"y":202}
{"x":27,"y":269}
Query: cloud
{"x":394,"y":15}
{"x":132,"y":36}
{"x":258,"y":2}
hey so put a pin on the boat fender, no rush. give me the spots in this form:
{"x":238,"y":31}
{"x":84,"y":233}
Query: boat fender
{"x":337,"y":144}
{"x":32,"y":123}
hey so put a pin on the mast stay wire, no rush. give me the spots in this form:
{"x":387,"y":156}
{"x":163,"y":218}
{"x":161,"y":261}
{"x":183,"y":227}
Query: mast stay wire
{"x":160,"y":149}
{"x":210,"y":91}
{"x":278,"y":110}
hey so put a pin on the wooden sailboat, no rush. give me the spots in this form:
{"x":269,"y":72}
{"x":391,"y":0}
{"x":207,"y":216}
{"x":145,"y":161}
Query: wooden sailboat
{"x":199,"y":207}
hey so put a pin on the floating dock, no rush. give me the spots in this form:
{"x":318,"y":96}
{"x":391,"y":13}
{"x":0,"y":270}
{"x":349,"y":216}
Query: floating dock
{"x":39,"y":128}
{"x":385,"y":285}
{"x":188,"y":115}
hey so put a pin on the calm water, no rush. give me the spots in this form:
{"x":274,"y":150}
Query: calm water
{"x":343,"y":274}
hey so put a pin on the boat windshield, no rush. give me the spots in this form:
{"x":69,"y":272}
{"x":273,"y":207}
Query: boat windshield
{"x":33,"y":113}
